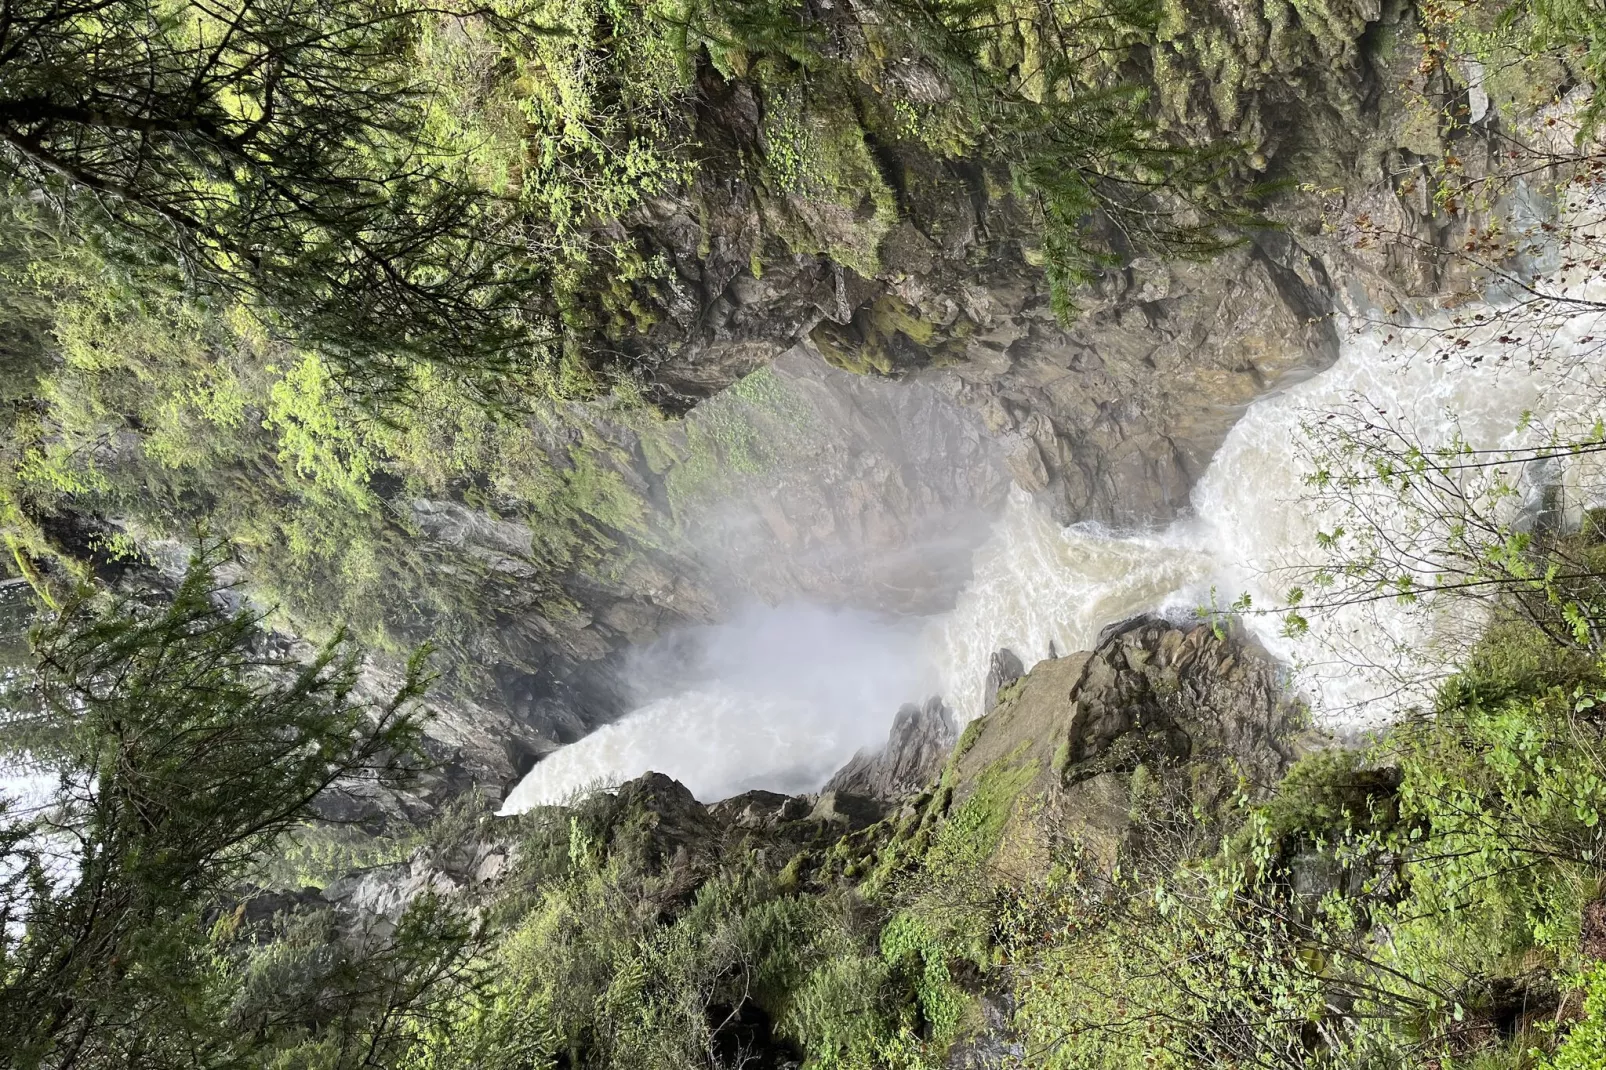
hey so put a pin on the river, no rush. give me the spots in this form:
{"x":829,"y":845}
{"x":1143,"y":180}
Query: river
{"x":804,"y":687}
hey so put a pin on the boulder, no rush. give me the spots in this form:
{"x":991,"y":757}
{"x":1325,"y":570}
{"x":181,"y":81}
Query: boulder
{"x":1004,"y":670}
{"x":916,"y":748}
{"x":1157,"y":713}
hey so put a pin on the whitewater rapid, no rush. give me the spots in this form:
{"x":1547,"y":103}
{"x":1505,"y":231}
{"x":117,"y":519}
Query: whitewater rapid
{"x":1039,"y":588}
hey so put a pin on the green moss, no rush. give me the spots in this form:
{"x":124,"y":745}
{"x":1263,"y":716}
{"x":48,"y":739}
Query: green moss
{"x":1326,"y":798}
{"x":890,"y":335}
{"x":827,"y":194}
{"x":262,"y":447}
{"x":910,"y":945}
{"x":1009,"y":693}
{"x":755,"y":424}
{"x":967,"y":739}
{"x":970,"y":834}
{"x":1062,"y":758}
{"x":850,"y":353}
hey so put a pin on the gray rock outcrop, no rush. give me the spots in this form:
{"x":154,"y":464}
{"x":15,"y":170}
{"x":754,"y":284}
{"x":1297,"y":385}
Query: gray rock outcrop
{"x":1004,"y":669}
{"x":918,"y":744}
{"x":1156,"y":711}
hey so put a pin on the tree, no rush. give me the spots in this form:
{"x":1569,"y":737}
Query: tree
{"x":275,"y":153}
{"x":182,"y":756}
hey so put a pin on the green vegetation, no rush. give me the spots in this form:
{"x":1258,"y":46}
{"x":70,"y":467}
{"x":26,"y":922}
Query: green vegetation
{"x":1419,"y":901}
{"x":274,"y":274}
{"x":324,"y":280}
{"x":182,"y":755}
{"x":1432,"y":899}
{"x":588,"y":974}
{"x":177,"y":424}
{"x":274,"y":159}
{"x":752,"y":427}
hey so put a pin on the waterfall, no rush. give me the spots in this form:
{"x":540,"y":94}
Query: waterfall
{"x":778,"y":697}
{"x":1038,"y":586}
{"x":1252,"y":521}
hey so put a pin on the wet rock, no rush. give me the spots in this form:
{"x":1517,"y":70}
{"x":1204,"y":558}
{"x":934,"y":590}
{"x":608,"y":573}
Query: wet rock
{"x":760,"y":809}
{"x":854,"y":491}
{"x":260,"y":911}
{"x":1158,"y":713}
{"x":1004,"y":669}
{"x":847,"y":809}
{"x":654,"y":822}
{"x":995,"y":1045}
{"x":386,"y":891}
{"x":916,"y":748}
{"x":1187,"y":692}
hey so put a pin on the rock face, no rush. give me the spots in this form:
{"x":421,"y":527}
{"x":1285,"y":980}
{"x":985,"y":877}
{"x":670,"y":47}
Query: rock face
{"x":1004,"y":670}
{"x":1153,"y":689}
{"x":807,"y":481}
{"x":852,"y":399}
{"x":377,"y":897}
{"x":917,"y":745}
{"x":1111,"y":417}
{"x":1115,"y":415}
{"x":1192,"y":707}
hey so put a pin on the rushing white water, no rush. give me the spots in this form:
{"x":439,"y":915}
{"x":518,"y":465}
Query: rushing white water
{"x":1039,"y":588}
{"x":1252,"y":524}
{"x":777,"y":698}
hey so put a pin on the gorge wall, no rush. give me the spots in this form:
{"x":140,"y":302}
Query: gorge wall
{"x":847,"y":374}
{"x":790,"y":478}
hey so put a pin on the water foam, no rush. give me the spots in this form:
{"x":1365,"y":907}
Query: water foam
{"x":778,"y":698}
{"x":1254,"y":525}
{"x":1038,"y":588}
